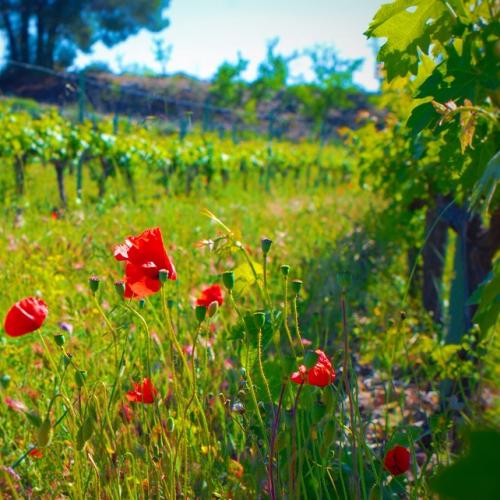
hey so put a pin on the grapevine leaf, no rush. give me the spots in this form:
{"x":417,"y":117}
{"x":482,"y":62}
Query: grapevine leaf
{"x":407,"y":25}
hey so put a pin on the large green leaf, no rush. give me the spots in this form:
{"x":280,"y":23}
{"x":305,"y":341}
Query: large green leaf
{"x":244,"y":276}
{"x":407,"y":25}
{"x":476,"y":474}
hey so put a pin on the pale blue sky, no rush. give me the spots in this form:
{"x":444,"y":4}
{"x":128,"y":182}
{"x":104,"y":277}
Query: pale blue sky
{"x":204,"y":33}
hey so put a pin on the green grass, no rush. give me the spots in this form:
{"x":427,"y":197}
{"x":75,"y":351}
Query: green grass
{"x":195,"y":441}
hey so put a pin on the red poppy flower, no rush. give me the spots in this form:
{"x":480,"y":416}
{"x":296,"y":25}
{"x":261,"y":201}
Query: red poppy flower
{"x":397,"y":460}
{"x":25,"y":316}
{"x":145,"y":256}
{"x":35,"y":453}
{"x":321,"y":374}
{"x":144,"y":392}
{"x":211,"y":294}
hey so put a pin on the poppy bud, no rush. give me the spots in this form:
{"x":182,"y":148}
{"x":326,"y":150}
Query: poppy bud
{"x":285,"y":269}
{"x":310,"y":359}
{"x":120,"y":288}
{"x":212,"y":309}
{"x":243,"y":372}
{"x":142,"y":304}
{"x":170,"y":424}
{"x":59,"y":340}
{"x":259,"y":319}
{"x":162,"y":275}
{"x":265,"y":244}
{"x":80,"y":377}
{"x":94,"y":284}
{"x":228,"y":279}
{"x":66,"y":359}
{"x":201,"y":312}
{"x":5,"y":381}
{"x":44,"y":433}
{"x":296,"y":286}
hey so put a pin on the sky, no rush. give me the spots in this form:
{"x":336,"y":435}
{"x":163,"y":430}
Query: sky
{"x":204,"y":33}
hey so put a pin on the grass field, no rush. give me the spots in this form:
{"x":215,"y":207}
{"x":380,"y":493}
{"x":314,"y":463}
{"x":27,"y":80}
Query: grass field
{"x":225,"y":418}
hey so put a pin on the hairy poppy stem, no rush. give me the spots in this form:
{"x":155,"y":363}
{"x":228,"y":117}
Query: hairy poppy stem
{"x":261,"y":369}
{"x":285,"y":317}
{"x":347,"y":386}
{"x":294,"y":438}
{"x":297,"y":326}
{"x":250,"y":381}
{"x":274,"y":433}
{"x":193,"y":393}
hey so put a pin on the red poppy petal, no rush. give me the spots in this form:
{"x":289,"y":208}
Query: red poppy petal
{"x":25,"y":316}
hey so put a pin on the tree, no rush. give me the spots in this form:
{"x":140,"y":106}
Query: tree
{"x":332,"y":84}
{"x":48,"y":32}
{"x":273,"y":72}
{"x":162,"y":53}
{"x":227,"y":85}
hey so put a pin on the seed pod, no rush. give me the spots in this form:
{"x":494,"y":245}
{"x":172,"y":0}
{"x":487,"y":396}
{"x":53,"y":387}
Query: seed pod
{"x":212,"y":309}
{"x":228,"y":279}
{"x":265,"y":244}
{"x":285,"y":269}
{"x":296,"y":286}
{"x":85,"y":432}
{"x":44,"y":434}
{"x":94,"y":283}
{"x":200,"y":312}
{"x":259,"y":319}
{"x":59,"y":340}
{"x":120,"y":288}
{"x":5,"y":380}
{"x":163,"y":275}
{"x":80,"y":377}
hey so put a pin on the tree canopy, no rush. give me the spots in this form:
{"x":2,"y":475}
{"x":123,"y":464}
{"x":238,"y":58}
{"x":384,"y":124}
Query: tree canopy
{"x":48,"y":32}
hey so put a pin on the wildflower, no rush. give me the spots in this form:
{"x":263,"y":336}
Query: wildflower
{"x":11,"y":472}
{"x":66,"y":327}
{"x":25,"y":316}
{"x":211,"y":294}
{"x":15,"y":405}
{"x":144,"y":256}
{"x":320,"y":374}
{"x":35,"y":453}
{"x":397,"y":460}
{"x":144,"y":392}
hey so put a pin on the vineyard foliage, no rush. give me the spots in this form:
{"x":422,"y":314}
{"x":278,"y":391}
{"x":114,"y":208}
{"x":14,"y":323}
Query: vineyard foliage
{"x":435,"y":155}
{"x":134,"y":152}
